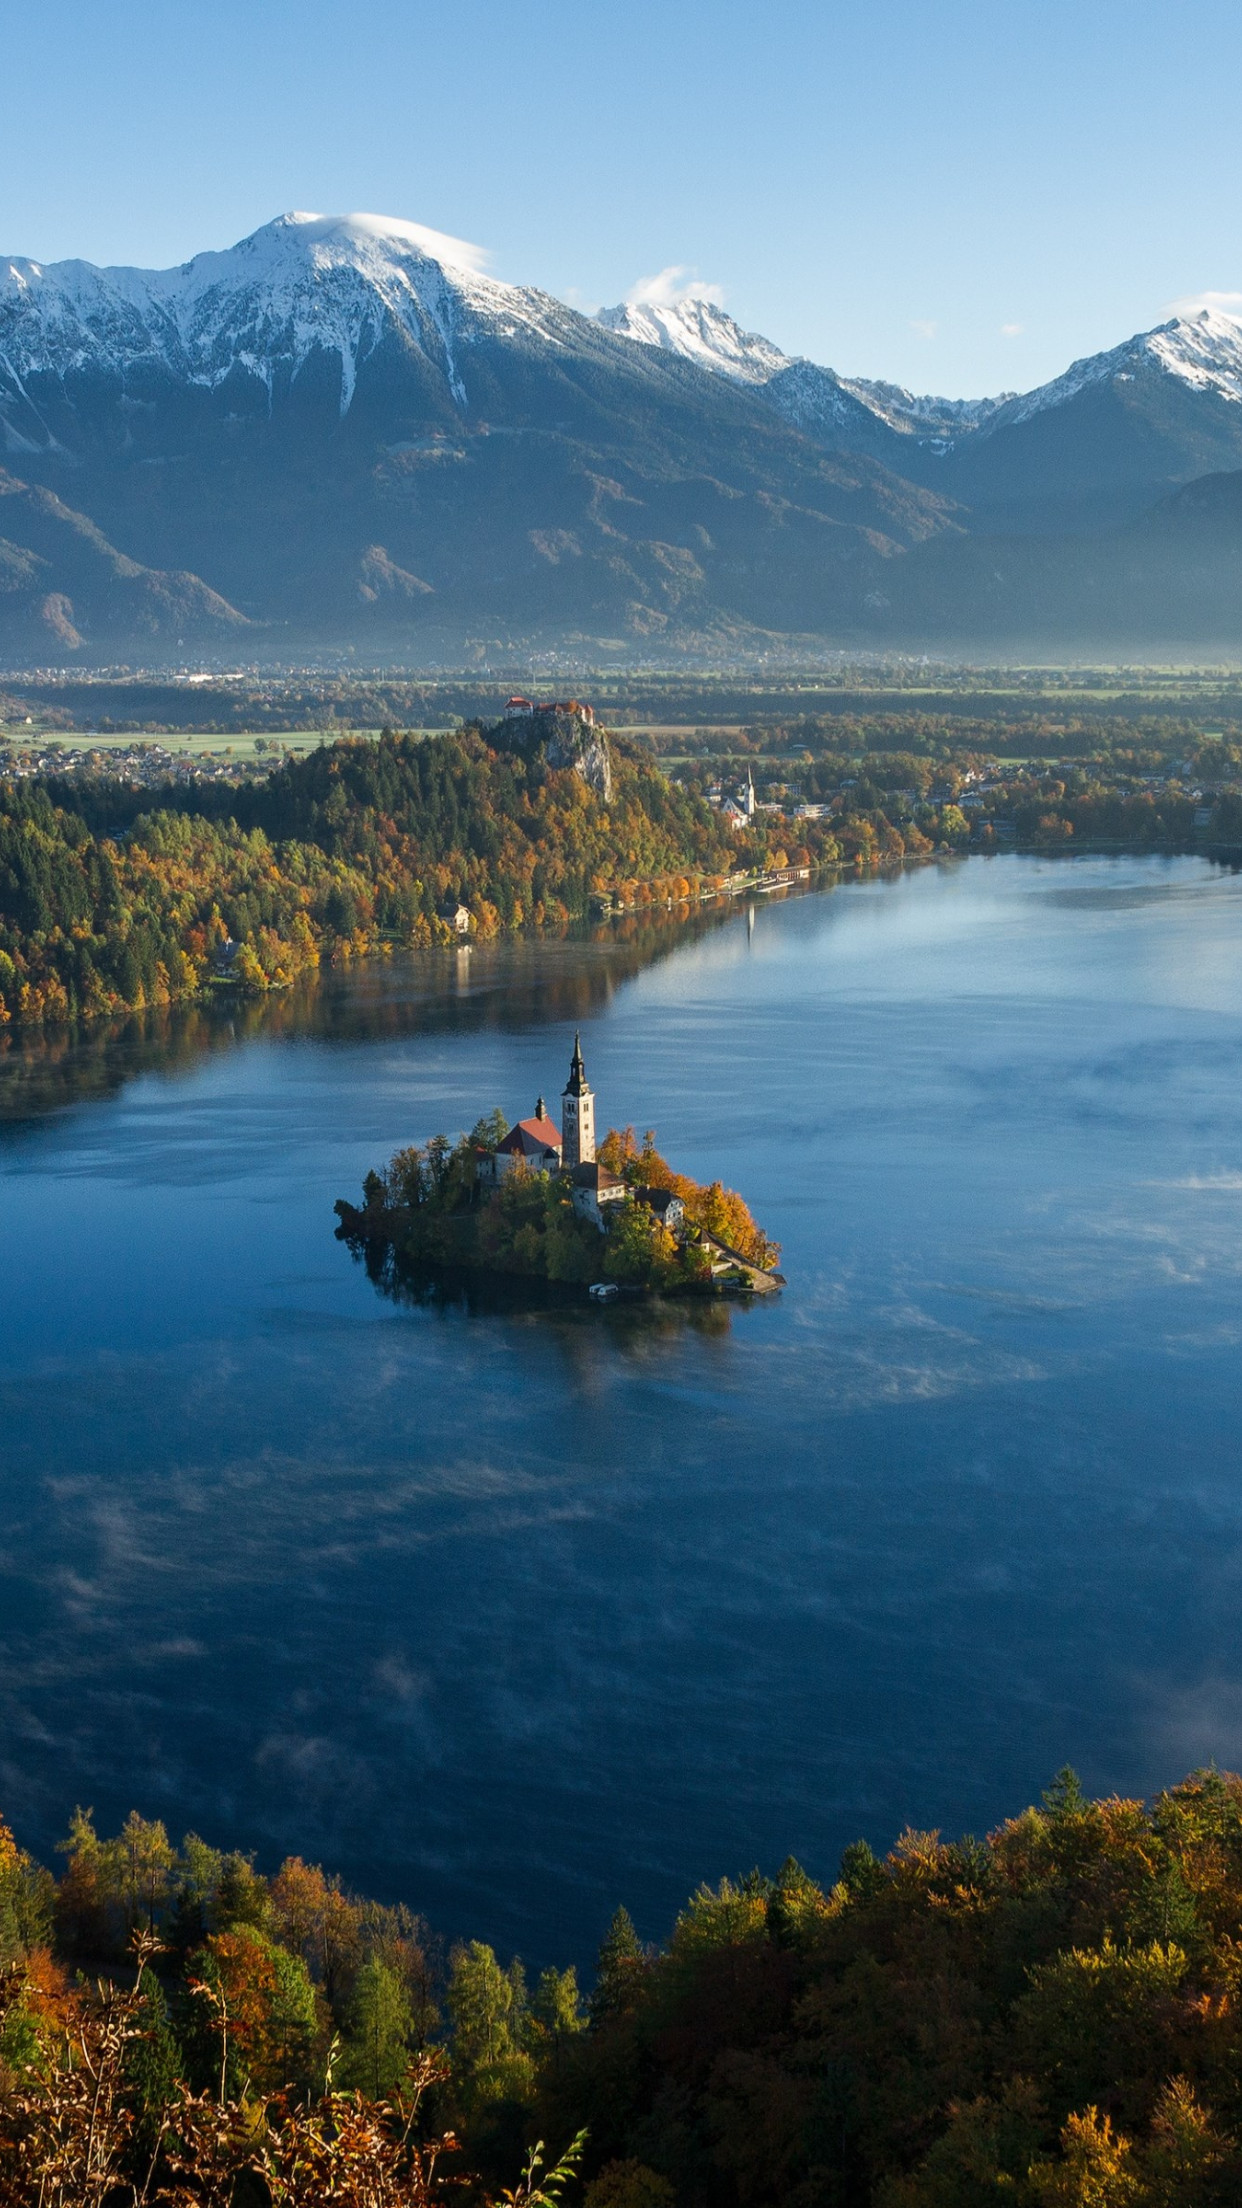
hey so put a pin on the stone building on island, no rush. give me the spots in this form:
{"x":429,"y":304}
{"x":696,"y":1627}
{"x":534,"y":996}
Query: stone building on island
{"x":539,"y":1146}
{"x":536,"y":1145}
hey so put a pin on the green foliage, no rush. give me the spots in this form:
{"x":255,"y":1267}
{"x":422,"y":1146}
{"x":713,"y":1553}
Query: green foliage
{"x":487,"y":2009}
{"x":629,"y":2184}
{"x":618,"y":1968}
{"x":555,"y":2013}
{"x":963,"y":2024}
{"x":379,"y":2028}
{"x":152,"y":2061}
{"x":639,"y":1250}
{"x":338,"y":853}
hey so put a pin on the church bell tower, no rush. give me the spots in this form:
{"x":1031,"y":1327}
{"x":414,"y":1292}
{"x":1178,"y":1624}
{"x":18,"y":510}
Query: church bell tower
{"x":577,"y":1114}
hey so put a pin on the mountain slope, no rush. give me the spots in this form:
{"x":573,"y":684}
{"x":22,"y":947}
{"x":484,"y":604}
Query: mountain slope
{"x":65,"y":589}
{"x":1114,"y":433}
{"x":345,"y":432}
{"x":1095,"y":446}
{"x":357,"y":438}
{"x":1171,"y":577}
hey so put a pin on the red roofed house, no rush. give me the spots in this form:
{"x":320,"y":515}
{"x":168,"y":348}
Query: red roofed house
{"x":534,"y":1143}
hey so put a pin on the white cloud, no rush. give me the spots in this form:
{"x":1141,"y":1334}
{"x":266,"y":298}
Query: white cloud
{"x":670,"y":287}
{"x":923,"y":329}
{"x":457,"y":252}
{"x":1214,"y":302}
{"x":1011,"y":329}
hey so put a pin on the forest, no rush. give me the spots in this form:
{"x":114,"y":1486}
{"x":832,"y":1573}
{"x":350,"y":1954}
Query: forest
{"x":437,"y":1208}
{"x":1049,"y":2017}
{"x":113,"y":897}
{"x":116,"y":896}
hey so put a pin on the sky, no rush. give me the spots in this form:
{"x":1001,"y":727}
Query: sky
{"x":962,"y":196}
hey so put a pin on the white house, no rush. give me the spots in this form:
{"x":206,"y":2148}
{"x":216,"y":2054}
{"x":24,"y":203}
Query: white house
{"x":739,"y":803}
{"x":668,"y":1208}
{"x":595,"y":1190}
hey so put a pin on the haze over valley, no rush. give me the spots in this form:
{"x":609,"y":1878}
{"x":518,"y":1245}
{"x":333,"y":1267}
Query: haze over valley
{"x":341,"y":434}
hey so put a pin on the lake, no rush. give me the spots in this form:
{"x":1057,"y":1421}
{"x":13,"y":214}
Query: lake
{"x":519,"y":1613}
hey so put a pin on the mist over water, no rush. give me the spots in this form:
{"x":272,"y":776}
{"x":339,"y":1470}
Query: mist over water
{"x":517,"y":1614}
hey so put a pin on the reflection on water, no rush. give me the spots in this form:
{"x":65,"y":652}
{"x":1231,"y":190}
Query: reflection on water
{"x":516,"y":1611}
{"x":507,"y":984}
{"x":497,"y":1295}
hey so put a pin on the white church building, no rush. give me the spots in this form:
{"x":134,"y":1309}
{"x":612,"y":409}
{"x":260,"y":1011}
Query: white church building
{"x":540,"y":1146}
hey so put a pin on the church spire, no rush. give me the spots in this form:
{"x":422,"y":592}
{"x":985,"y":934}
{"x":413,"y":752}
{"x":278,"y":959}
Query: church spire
{"x":577,"y":1113}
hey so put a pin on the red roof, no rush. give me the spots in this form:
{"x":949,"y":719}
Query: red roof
{"x":532,"y":1134}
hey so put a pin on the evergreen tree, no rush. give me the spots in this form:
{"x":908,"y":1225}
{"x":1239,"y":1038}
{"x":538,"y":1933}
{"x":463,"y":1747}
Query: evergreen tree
{"x":488,"y":2010}
{"x":618,"y":1968}
{"x":378,"y":2026}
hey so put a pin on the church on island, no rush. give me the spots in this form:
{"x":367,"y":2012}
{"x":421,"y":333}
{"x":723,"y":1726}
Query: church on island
{"x":539,"y":1146}
{"x":427,"y":1208}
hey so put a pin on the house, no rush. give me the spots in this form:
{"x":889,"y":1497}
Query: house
{"x":668,"y":1208}
{"x":518,"y":709}
{"x":738,"y":804}
{"x":534,"y":1143}
{"x":457,"y":916}
{"x":595,"y":1189}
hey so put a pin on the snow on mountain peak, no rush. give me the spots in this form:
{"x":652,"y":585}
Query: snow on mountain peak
{"x":922,"y":415}
{"x":300,"y":284}
{"x":437,"y":245}
{"x":700,"y":330}
{"x":808,"y":395}
{"x":1203,"y":349}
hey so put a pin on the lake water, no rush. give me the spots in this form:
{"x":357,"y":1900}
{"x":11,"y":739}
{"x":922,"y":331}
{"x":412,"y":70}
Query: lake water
{"x":519,"y":1614}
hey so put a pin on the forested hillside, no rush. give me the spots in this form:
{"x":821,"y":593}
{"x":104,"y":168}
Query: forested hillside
{"x":112,"y":896}
{"x":1048,"y":2018}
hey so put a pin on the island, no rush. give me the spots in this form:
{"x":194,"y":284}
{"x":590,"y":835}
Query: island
{"x":545,"y":1202}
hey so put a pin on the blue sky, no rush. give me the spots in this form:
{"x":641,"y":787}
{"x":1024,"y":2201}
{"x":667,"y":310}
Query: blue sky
{"x":960,"y":196}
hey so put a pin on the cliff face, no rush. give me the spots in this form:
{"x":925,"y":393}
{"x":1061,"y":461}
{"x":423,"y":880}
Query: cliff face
{"x":567,"y":739}
{"x":572,"y":741}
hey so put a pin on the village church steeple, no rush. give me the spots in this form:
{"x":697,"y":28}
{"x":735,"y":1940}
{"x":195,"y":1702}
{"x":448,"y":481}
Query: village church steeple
{"x":577,"y":1114}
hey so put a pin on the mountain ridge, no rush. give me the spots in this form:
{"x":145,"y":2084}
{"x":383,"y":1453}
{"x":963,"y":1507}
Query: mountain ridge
{"x":344,"y":431}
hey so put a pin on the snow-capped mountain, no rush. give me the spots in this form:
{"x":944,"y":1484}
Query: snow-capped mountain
{"x":302,"y":285}
{"x":802,"y":390}
{"x":344,"y":425}
{"x":345,"y":428}
{"x":1203,"y":351}
{"x":698,"y":330}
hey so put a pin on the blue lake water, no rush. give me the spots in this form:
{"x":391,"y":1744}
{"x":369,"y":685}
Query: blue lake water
{"x":516,"y":1615}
